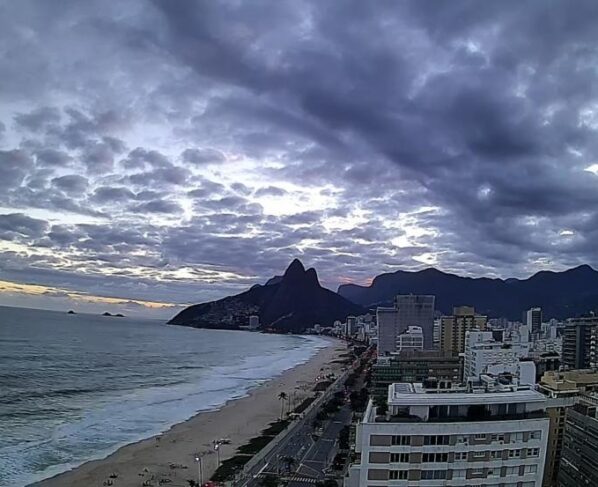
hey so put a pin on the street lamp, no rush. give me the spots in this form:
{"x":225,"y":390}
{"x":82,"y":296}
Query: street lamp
{"x":199,"y":469}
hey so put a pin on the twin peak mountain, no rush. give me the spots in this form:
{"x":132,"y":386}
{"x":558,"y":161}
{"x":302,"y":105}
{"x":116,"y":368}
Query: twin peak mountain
{"x":288,"y":303}
{"x":296,"y":300}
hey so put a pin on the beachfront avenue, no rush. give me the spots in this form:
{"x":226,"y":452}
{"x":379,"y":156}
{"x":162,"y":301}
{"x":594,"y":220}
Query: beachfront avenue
{"x":311,"y":444}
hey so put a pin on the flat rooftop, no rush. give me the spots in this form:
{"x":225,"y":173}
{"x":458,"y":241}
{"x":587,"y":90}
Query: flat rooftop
{"x":406,"y":394}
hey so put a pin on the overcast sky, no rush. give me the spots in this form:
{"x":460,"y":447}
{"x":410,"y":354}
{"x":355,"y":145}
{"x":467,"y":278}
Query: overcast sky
{"x":175,"y":152}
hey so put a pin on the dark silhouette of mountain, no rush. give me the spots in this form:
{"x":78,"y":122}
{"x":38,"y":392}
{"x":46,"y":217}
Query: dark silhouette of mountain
{"x":292,"y":302}
{"x":559,"y":294}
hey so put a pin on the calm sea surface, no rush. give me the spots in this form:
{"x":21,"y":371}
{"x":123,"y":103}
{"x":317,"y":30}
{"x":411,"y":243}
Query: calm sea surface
{"x":76,"y":387}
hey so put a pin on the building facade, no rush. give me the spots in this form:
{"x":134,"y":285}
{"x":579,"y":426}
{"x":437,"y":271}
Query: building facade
{"x":579,"y":459}
{"x":417,"y":310}
{"x":453,"y":328}
{"x":482,"y":351}
{"x":452,"y":438}
{"x":563,"y":390}
{"x":410,"y":340}
{"x":415,"y":367}
{"x":533,"y":319}
{"x":387,"y":319}
{"x":578,"y":337}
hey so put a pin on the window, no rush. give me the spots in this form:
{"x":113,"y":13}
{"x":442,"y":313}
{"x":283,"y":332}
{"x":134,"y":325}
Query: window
{"x":515,"y":437}
{"x":437,"y":440}
{"x":477,"y":472}
{"x":512,"y":471}
{"x":401,"y":440}
{"x":514,"y":453}
{"x":479,"y":454}
{"x":433,"y":474}
{"x":530,"y":469}
{"x":459,"y":474}
{"x":498,"y":437}
{"x":399,"y":457}
{"x":460,"y":456}
{"x":398,"y":474}
{"x":480,"y":436}
{"x":533,"y":452}
{"x":496,"y":454}
{"x":435,"y":457}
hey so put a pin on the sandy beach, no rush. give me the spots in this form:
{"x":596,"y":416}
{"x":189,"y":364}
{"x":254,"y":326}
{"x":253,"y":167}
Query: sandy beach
{"x":239,"y":420}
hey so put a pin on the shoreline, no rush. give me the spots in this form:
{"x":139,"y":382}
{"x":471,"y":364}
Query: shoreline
{"x":239,"y":419}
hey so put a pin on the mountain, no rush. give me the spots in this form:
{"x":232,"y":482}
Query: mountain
{"x":559,"y":294}
{"x":288,"y":303}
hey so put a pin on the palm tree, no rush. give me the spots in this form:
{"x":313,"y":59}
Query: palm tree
{"x":282,"y":397}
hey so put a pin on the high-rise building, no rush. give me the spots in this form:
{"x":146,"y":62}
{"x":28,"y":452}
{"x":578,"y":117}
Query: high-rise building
{"x":482,"y":351}
{"x":578,"y":337}
{"x":415,"y":367}
{"x":351,"y":325}
{"x":411,"y":339}
{"x":562,"y":390}
{"x":494,"y":436}
{"x":388,"y":329}
{"x":453,"y":328}
{"x":254,"y":322}
{"x":416,"y":310}
{"x":533,"y":318}
{"x":579,"y":459}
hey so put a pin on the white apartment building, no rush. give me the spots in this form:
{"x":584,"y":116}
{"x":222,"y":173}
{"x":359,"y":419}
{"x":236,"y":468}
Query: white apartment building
{"x":410,"y":340}
{"x":482,"y":350}
{"x":495,"y":437}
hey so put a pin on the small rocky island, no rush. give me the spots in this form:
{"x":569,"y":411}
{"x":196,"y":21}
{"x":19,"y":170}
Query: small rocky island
{"x":117,"y":315}
{"x":71,"y":312}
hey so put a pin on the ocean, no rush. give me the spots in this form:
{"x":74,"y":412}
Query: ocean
{"x":77,"y":387}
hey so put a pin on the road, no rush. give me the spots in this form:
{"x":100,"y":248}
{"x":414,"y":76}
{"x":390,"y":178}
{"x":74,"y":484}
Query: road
{"x":312,"y":454}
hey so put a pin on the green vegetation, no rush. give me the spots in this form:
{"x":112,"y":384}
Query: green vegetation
{"x":304,"y":404}
{"x":322,"y":385}
{"x":269,"y":480}
{"x":228,"y":468}
{"x":381,"y":405}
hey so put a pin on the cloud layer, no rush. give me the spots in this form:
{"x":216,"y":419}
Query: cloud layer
{"x":188,"y":149}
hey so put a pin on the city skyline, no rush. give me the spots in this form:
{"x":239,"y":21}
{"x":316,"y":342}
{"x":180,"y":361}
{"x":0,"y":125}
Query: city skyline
{"x":169,"y":152}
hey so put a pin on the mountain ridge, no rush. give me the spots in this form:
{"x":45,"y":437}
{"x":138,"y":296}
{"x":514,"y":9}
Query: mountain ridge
{"x":560,"y":294}
{"x":292,"y":302}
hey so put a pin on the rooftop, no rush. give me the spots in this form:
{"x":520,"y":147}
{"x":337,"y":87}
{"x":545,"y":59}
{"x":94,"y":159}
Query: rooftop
{"x":406,"y":394}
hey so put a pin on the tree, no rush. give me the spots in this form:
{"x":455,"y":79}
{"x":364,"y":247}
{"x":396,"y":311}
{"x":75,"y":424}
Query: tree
{"x":381,"y":405}
{"x":282,"y":397}
{"x":269,"y":480}
{"x":288,"y":462}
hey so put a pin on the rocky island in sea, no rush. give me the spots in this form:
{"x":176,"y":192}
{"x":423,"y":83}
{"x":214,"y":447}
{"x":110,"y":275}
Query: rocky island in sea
{"x":288,"y":303}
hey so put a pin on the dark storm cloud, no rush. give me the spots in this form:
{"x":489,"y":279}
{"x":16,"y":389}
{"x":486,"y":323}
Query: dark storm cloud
{"x":14,"y":166}
{"x":107,"y":194}
{"x":38,"y":119}
{"x":270,"y":191}
{"x":52,"y":157}
{"x":202,"y":156}
{"x":18,"y":224}
{"x":158,"y":206}
{"x":446,"y":131}
{"x":71,"y":184}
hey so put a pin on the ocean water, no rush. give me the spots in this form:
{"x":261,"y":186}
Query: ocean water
{"x":77,"y":387}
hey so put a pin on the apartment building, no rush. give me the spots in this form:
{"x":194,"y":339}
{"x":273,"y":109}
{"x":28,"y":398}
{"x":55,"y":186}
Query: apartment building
{"x":482,"y":351}
{"x":415,"y":367}
{"x":579,"y":460}
{"x":563,"y":390}
{"x":579,"y":336}
{"x":495,"y":436}
{"x":453,"y":328}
